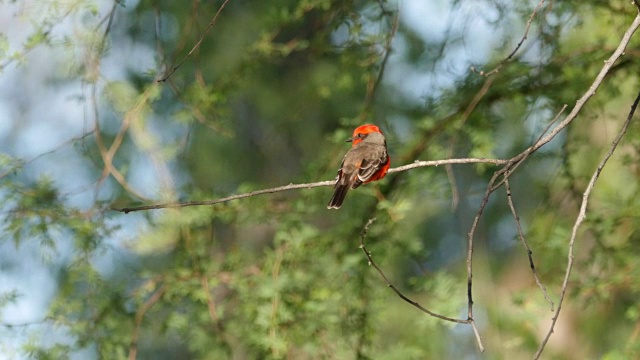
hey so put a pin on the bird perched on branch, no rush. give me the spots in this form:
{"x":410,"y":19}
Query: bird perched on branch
{"x":366,"y":161}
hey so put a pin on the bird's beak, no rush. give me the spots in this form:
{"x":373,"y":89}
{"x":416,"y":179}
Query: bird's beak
{"x":349,"y":140}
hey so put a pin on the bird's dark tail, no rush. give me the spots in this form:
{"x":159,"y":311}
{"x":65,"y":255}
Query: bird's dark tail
{"x":339,"y":194}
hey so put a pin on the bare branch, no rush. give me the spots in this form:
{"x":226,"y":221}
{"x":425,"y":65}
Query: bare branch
{"x":301,"y":186}
{"x":225,"y":199}
{"x":418,"y":163}
{"x":524,"y":38}
{"x":470,"y":237}
{"x":22,"y":163}
{"x":580,"y":218}
{"x":363,"y":236}
{"x":477,"y":334}
{"x":25,"y":324}
{"x":109,"y":20}
{"x":213,"y":21}
{"x":524,"y":242}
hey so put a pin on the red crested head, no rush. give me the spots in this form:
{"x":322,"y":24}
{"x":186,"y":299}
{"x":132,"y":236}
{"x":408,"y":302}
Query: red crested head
{"x":366,"y":129}
{"x":360,"y":131}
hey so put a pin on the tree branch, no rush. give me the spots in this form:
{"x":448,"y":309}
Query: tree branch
{"x":416,"y":164}
{"x":524,"y":38}
{"x":524,"y":242}
{"x":470,"y":321}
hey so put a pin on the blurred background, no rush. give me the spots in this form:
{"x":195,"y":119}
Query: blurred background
{"x":267,"y":99}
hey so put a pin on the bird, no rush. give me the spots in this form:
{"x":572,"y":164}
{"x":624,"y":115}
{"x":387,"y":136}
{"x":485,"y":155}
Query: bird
{"x":366,"y":161}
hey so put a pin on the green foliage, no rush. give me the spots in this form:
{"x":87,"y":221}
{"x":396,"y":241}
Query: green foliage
{"x":268,"y":99}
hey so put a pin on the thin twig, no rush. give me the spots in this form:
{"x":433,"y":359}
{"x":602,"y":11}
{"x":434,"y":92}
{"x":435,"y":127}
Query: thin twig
{"x":524,"y":38}
{"x":470,"y":237}
{"x":111,"y":16}
{"x":418,"y":163}
{"x":477,"y":334}
{"x":366,"y":252}
{"x":213,"y":21}
{"x":363,"y":236}
{"x":20,"y":163}
{"x":301,"y":186}
{"x":25,"y":324}
{"x":524,"y":242}
{"x":225,"y":199}
{"x":580,"y":218}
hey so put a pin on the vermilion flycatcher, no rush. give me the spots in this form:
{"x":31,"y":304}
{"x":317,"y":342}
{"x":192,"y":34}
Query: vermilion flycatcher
{"x":366,"y":161}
